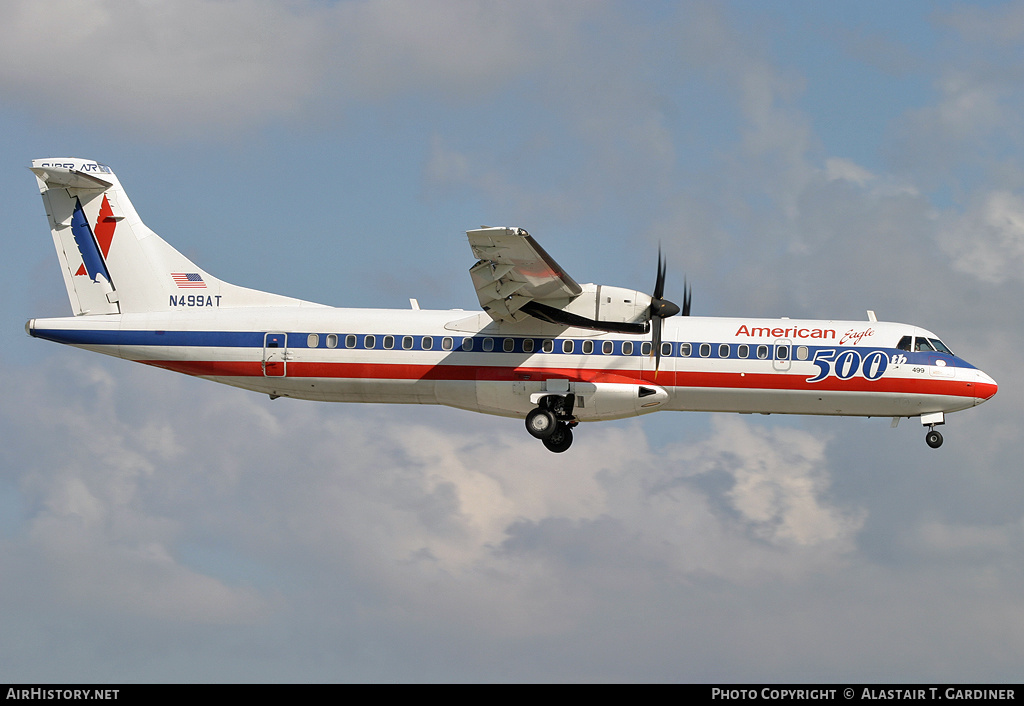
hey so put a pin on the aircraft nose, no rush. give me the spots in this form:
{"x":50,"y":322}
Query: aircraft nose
{"x":985,"y":387}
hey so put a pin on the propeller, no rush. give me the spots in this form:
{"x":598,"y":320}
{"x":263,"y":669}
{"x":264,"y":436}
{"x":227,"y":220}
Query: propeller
{"x":661,"y":308}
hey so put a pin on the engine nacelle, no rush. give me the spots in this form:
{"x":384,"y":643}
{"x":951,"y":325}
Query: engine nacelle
{"x":602,"y":303}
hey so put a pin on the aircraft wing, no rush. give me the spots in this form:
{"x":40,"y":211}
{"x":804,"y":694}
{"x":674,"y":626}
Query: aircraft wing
{"x":513,"y":271}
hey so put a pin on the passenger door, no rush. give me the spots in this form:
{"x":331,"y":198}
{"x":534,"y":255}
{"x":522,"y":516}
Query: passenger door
{"x":275,"y":354}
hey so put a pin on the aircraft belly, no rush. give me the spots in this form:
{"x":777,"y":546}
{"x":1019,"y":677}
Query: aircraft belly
{"x":506,"y":398}
{"x":337,"y":390}
{"x":381,"y":390}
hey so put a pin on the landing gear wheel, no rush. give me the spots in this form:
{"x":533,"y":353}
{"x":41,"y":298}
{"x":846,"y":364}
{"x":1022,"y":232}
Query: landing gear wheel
{"x":541,"y":423}
{"x":560,"y":440}
{"x":933,"y":439}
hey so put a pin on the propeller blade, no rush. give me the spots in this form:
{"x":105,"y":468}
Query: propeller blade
{"x":687,"y":296}
{"x":661,"y":309}
{"x":659,"y":283}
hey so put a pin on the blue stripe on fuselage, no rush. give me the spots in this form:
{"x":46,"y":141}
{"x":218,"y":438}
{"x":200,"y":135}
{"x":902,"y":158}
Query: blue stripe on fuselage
{"x":99,"y":337}
{"x":255,"y":339}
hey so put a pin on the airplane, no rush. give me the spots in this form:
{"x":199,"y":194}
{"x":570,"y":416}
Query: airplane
{"x":544,"y":348}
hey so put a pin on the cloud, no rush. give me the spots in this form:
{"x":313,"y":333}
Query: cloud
{"x":159,"y":67}
{"x":382,"y":48}
{"x":837,"y":168}
{"x":987,"y":241}
{"x":780,"y":485}
{"x":90,"y":535}
{"x":217,"y":66}
{"x":1003,"y":23}
{"x":311,"y":491}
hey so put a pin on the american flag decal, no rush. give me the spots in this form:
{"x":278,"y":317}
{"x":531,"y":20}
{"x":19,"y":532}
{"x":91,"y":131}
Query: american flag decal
{"x":188,"y":280}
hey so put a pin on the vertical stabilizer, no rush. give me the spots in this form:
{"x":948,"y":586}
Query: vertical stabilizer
{"x":111,"y":262}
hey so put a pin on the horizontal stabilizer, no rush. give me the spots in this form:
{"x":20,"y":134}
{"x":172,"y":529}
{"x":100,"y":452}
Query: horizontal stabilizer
{"x":71,"y":178}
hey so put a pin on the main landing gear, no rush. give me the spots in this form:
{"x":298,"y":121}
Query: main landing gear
{"x":552,"y":422}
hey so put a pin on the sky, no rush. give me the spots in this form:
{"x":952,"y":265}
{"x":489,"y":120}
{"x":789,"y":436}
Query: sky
{"x":791,"y":158}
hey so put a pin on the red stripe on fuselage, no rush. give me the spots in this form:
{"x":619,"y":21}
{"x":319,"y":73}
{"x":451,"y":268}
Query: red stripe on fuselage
{"x":677,"y":379}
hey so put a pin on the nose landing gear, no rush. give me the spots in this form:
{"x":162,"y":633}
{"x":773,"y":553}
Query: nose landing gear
{"x":933,"y":438}
{"x":552,"y":422}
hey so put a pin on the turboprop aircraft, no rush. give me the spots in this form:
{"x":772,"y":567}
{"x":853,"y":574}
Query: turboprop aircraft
{"x":544,"y":349}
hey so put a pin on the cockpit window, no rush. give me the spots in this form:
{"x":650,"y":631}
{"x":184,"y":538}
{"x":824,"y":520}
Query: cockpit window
{"x":905,"y":343}
{"x":922,"y":345}
{"x":940,"y":346}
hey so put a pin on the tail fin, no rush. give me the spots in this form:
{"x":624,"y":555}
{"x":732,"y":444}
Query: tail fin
{"x":112,"y":263}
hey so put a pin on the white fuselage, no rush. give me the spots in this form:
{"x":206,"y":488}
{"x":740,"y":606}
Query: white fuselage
{"x":466,"y":360}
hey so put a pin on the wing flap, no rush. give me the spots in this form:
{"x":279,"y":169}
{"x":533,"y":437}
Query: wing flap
{"x":514,"y":270}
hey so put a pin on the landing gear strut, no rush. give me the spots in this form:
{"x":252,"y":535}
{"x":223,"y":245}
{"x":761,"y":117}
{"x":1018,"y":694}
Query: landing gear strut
{"x":552,"y":422}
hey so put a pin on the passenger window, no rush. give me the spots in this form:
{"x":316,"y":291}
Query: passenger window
{"x":488,"y":344}
{"x":588,"y":347}
{"x":313,"y":340}
{"x":350,"y":341}
{"x":527,"y":345}
{"x":781,"y":352}
{"x":762,"y":352}
{"x":743,"y":351}
{"x":508,"y":345}
{"x":369,"y":341}
{"x":608,"y":347}
{"x":723,"y":350}
{"x":332,"y":340}
{"x":467,"y":344}
{"x":447,"y":343}
{"x":567,"y":345}
{"x":905,"y":343}
{"x":666,"y":348}
{"x":407,"y":343}
{"x":801,"y":353}
{"x":704,"y":350}
{"x":685,"y":350}
{"x":427,"y":343}
{"x":627,"y":348}
{"x":548,"y":346}
{"x":645,"y":348}
{"x":389,"y":342}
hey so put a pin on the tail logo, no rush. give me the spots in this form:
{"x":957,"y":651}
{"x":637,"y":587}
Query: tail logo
{"x":93,"y":245}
